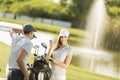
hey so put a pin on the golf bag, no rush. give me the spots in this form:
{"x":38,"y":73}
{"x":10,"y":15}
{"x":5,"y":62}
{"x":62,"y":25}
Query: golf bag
{"x":40,"y":69}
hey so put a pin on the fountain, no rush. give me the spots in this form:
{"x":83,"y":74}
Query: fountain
{"x":95,"y":24}
{"x":95,"y":27}
{"x":92,"y":58}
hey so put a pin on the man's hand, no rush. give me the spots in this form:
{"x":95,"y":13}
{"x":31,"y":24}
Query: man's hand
{"x":26,"y":77}
{"x":17,"y":30}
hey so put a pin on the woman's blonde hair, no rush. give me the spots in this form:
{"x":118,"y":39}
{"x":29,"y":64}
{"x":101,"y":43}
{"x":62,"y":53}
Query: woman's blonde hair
{"x":58,"y":43}
{"x":63,"y":32}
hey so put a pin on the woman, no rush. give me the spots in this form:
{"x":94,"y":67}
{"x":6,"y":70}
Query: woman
{"x":60,"y":55}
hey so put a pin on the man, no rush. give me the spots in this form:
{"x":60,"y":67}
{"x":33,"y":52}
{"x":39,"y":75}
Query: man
{"x":20,"y":49}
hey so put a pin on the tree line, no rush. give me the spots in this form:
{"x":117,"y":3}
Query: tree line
{"x":73,"y":11}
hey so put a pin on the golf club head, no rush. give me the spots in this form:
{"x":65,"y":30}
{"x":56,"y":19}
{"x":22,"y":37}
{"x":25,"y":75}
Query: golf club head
{"x":44,"y":45}
{"x":36,"y":47}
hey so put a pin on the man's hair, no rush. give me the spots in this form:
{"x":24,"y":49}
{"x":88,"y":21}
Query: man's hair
{"x":28,"y":28}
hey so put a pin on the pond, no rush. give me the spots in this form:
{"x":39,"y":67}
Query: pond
{"x":102,"y":62}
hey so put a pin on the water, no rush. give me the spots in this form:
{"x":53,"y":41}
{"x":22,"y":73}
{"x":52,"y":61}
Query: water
{"x":91,"y":58}
{"x":99,"y":61}
{"x":95,"y":24}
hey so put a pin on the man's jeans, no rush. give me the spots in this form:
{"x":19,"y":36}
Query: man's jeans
{"x":15,"y":74}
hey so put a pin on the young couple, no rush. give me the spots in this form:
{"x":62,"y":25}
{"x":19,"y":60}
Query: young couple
{"x":60,"y":54}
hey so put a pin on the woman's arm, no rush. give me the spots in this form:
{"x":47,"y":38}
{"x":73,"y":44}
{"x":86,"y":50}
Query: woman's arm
{"x":50,"y":50}
{"x":64,"y":64}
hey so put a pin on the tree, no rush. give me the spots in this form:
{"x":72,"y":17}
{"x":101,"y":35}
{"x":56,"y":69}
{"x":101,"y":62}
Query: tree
{"x":5,"y":4}
{"x":63,"y":3}
{"x":78,"y":9}
{"x":113,"y":7}
{"x":112,"y":36}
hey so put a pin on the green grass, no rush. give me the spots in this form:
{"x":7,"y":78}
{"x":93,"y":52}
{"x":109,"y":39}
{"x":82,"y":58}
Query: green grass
{"x":73,"y":73}
{"x":4,"y":54}
{"x":76,"y":38}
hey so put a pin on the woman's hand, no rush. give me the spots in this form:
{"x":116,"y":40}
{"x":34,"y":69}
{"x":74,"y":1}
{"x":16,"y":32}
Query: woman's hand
{"x":48,"y":58}
{"x":51,"y":44}
{"x":51,"y":60}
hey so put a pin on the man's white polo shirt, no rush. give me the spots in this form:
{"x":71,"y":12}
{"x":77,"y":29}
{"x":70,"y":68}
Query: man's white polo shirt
{"x":18,"y":44}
